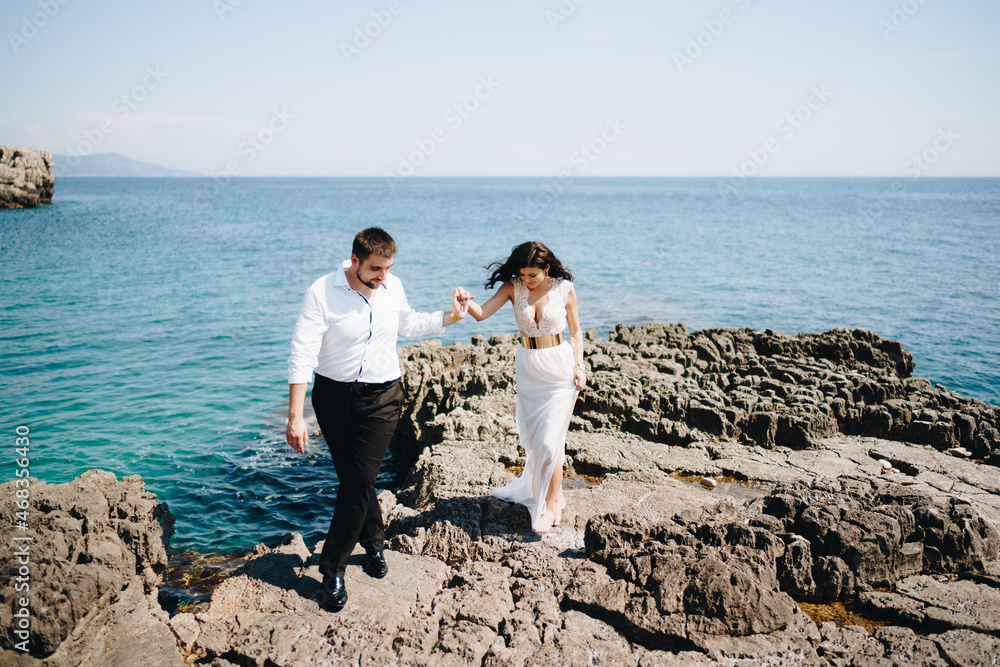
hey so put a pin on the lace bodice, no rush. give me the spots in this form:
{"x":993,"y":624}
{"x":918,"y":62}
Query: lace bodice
{"x":553,"y":314}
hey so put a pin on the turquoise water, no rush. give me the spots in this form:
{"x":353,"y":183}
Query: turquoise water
{"x":145,"y":323}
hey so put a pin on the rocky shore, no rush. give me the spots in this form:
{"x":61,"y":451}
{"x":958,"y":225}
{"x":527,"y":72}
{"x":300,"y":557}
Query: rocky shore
{"x":25,"y":177}
{"x":833,"y":481}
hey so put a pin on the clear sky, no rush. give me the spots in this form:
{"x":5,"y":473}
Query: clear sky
{"x":590,"y":87}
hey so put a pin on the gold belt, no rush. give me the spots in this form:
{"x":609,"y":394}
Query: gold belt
{"x":540,"y":342}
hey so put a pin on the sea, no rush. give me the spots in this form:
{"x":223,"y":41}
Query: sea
{"x":145,"y":322}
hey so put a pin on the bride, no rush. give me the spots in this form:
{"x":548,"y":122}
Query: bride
{"x":550,"y":371}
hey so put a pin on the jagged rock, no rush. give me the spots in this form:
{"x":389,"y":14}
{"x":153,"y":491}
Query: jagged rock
{"x":97,"y":549}
{"x":853,"y":646}
{"x":840,"y":644}
{"x":647,"y":567}
{"x":269,"y":613}
{"x":422,"y":613}
{"x":664,"y":588}
{"x":899,"y":646}
{"x":795,"y":569}
{"x":132,"y":625}
{"x":926,"y":602}
{"x":968,"y":649}
{"x":851,"y":534}
{"x":665,"y":385}
{"x":25,"y":177}
{"x":865,"y":532}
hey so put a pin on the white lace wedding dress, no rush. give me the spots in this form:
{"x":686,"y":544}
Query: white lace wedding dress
{"x":545,"y":397}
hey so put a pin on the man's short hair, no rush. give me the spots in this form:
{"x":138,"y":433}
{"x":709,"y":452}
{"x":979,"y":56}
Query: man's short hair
{"x":373,"y":241}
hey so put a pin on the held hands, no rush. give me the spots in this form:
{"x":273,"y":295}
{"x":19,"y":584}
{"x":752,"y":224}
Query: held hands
{"x":460,"y":299}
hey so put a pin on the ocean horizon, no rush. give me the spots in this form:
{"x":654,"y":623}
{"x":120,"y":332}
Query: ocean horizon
{"x":147,"y":321}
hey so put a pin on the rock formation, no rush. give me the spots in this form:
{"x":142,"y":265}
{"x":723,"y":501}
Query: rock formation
{"x":765,"y":388}
{"x":25,"y":177}
{"x":837,"y":481}
{"x":96,"y":549}
{"x":760,"y":388}
{"x":700,"y":583}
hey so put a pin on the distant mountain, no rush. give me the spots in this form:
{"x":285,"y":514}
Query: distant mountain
{"x":110,"y":164}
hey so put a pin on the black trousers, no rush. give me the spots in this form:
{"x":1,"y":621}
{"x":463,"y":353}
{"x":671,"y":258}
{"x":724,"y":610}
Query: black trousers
{"x":357,"y":421}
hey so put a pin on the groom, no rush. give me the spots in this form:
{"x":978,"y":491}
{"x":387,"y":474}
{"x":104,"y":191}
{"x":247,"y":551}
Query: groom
{"x":346,"y":333}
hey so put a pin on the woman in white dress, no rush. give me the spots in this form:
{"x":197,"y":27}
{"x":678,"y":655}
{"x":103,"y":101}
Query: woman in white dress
{"x":550,"y":372}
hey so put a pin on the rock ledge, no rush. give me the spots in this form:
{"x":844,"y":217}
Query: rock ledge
{"x":835,"y":479}
{"x":25,"y":177}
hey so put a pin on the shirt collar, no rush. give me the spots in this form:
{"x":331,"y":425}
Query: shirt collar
{"x":340,"y":280}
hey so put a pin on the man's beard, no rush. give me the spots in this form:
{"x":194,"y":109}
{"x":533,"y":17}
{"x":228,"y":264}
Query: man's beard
{"x":370,"y":284}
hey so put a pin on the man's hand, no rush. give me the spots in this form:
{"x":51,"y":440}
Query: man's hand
{"x":460,"y":302}
{"x":297,"y":434}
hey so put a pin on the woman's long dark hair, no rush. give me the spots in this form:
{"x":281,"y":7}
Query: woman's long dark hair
{"x":529,"y":254}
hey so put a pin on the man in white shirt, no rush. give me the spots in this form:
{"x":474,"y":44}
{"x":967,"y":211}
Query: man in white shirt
{"x":346,"y":333}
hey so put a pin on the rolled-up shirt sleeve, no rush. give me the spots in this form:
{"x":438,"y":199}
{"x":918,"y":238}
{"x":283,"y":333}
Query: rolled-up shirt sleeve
{"x":307,"y":338}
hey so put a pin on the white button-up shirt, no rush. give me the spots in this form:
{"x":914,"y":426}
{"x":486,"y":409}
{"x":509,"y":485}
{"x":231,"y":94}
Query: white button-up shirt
{"x":347,"y":337}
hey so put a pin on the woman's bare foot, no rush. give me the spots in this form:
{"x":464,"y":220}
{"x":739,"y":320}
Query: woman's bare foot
{"x":560,"y":505}
{"x":545,"y":522}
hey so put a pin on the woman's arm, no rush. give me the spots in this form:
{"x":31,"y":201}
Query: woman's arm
{"x":459,"y":308}
{"x":576,"y":336}
{"x":480,"y":313}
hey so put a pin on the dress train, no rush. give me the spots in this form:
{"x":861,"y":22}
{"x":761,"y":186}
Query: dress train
{"x":545,"y":396}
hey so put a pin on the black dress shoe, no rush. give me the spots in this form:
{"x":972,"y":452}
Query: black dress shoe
{"x":374,"y":564}
{"x":334,"y":594}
